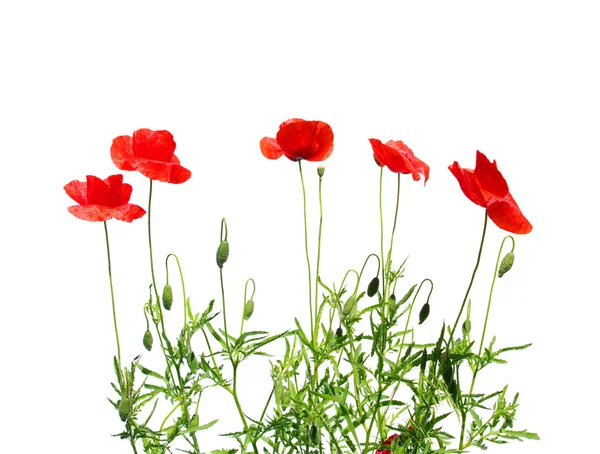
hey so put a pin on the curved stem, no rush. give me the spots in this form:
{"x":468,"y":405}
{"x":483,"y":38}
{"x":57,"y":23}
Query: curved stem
{"x":389,"y":256}
{"x":112,"y":296}
{"x":319,"y":249}
{"x":185,"y":305}
{"x":472,"y":277}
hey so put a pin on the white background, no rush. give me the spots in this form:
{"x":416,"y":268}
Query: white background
{"x":516,"y":80}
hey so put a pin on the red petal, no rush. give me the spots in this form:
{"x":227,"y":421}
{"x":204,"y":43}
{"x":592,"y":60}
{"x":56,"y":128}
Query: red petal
{"x":77,"y":190}
{"x":468,"y":183}
{"x":129,"y":212}
{"x":378,"y":151}
{"x":310,"y":140}
{"x":161,"y":171}
{"x":121,"y":150}
{"x":98,"y":192}
{"x":270,"y":149}
{"x":488,"y":176}
{"x":93,"y":213}
{"x":154,"y":145}
{"x":507,"y":215}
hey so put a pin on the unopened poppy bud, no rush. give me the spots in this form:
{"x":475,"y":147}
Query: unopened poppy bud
{"x":148,"y":340}
{"x":321,"y":171}
{"x":447,"y":374}
{"x":195,"y":421}
{"x":466,"y":327}
{"x":349,"y":306}
{"x":393,"y":297}
{"x":373,"y":287}
{"x":453,"y":390}
{"x":424,"y":313}
{"x":314,"y":435}
{"x":222,"y":253}
{"x":339,"y":332}
{"x":167,"y":297}
{"x":124,"y":408}
{"x":248,"y":309}
{"x":424,"y":360}
{"x":506,"y":264}
{"x":279,"y":390}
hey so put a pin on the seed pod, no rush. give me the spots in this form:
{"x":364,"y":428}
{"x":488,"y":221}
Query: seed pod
{"x":314,"y":435}
{"x":423,"y":360}
{"x":321,"y":171}
{"x":349,"y":306}
{"x":373,"y":287}
{"x":167,"y":297}
{"x":248,"y":309}
{"x":124,"y":408}
{"x":424,"y":313}
{"x":506,"y":264}
{"x":222,"y":253}
{"x":148,"y":340}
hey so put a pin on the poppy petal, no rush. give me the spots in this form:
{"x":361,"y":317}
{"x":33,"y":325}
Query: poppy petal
{"x":378,"y":151}
{"x":161,"y":171}
{"x":93,"y":213}
{"x":128,"y":212}
{"x":468,"y":183}
{"x":153,"y":145}
{"x":489,"y":177}
{"x":120,"y":152}
{"x":270,"y":149}
{"x":301,"y":139}
{"x":77,"y":190}
{"x":507,"y":215}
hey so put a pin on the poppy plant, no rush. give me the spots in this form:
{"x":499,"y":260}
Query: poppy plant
{"x":486,"y":187}
{"x":399,"y":158}
{"x":101,"y":200}
{"x":152,"y":153}
{"x":299,"y":139}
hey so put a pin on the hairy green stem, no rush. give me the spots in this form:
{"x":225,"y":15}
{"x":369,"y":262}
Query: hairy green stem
{"x":112,"y":296}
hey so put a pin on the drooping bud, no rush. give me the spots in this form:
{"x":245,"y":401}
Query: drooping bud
{"x":167,"y":297}
{"x":373,"y":287}
{"x":124,"y":408}
{"x":148,"y":340}
{"x":466,"y":327}
{"x":321,"y":171}
{"x":339,"y":332}
{"x":222,"y":253}
{"x":349,"y":306}
{"x":447,"y":373}
{"x":506,"y":264}
{"x":248,"y":309}
{"x":424,"y":313}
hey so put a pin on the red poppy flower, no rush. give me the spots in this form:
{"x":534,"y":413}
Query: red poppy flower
{"x":486,"y":187}
{"x":152,"y":153}
{"x":399,"y":158}
{"x":299,"y":139}
{"x":388,"y":442}
{"x":101,"y":200}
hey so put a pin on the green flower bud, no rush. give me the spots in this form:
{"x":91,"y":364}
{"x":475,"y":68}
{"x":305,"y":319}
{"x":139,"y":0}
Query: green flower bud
{"x":167,"y":297}
{"x":248,"y":309}
{"x":349,"y":306}
{"x":222,"y":253}
{"x":314,"y":435}
{"x":373,"y":287}
{"x":424,"y":313}
{"x":447,"y":373}
{"x":423,"y":360}
{"x":279,"y":390}
{"x":321,"y":171}
{"x":192,"y":362}
{"x":466,"y":327}
{"x":124,"y":408}
{"x":339,"y":332}
{"x":506,"y":264}
{"x":148,"y":340}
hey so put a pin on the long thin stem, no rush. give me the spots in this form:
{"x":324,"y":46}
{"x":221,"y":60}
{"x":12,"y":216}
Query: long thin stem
{"x":319,"y":248}
{"x":389,"y":256}
{"x":112,"y":296}
{"x":383,"y":263}
{"x":312,"y":327}
{"x":472,"y":277}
